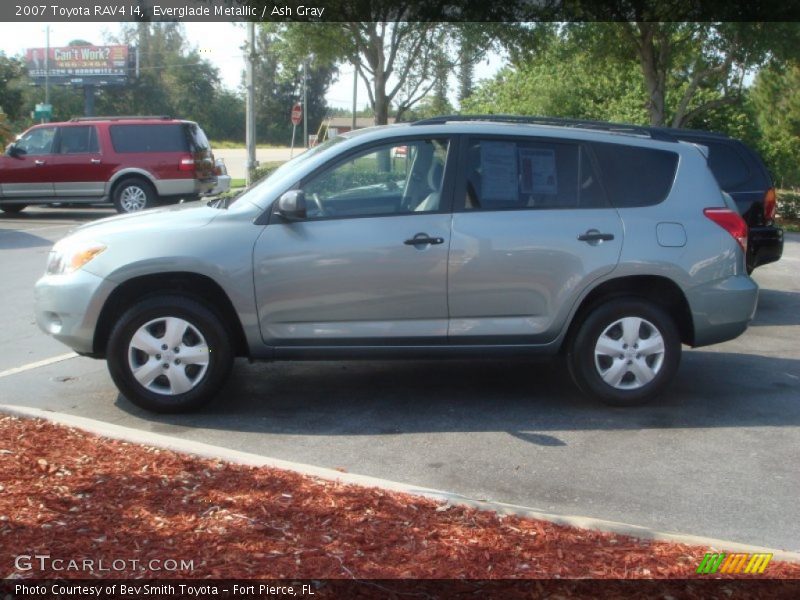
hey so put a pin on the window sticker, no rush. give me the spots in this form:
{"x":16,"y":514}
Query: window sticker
{"x":538,"y":167}
{"x":499,"y":171}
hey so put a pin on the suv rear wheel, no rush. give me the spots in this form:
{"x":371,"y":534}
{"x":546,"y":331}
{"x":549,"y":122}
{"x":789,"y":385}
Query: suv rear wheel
{"x":169,"y":354}
{"x":133,"y":195}
{"x":625,"y":352}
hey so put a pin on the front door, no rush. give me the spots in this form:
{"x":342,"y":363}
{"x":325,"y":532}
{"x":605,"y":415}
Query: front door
{"x":369,"y":264}
{"x":28,"y":175}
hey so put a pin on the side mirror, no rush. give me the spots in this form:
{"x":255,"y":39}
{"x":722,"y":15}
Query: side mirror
{"x":13,"y":151}
{"x":292,"y":205}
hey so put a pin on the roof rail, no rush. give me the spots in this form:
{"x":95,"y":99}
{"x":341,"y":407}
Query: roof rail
{"x":653,"y":132}
{"x":121,"y":118}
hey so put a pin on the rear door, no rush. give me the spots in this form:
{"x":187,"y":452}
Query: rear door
{"x":29,"y":175}
{"x":77,"y":165}
{"x":531,"y":229}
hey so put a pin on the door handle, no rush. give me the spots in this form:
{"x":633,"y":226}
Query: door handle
{"x":94,"y":161}
{"x":595,"y":236}
{"x":38,"y":163}
{"x":423,"y":238}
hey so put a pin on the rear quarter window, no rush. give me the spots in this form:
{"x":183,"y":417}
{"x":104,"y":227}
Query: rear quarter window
{"x":197,"y":138}
{"x":635,"y":176}
{"x":149,"y":138}
{"x":727,"y":165}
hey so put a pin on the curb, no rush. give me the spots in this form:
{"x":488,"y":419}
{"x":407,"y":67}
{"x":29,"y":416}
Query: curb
{"x":200,"y":449}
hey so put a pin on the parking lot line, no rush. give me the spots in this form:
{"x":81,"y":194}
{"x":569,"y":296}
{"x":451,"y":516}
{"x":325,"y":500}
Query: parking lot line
{"x":37,"y":364}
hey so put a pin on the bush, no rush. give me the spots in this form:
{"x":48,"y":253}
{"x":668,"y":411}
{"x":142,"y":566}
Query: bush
{"x":265,"y":169}
{"x":789,"y":204}
{"x":5,"y":131}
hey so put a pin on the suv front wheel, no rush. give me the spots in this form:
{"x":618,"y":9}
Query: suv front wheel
{"x":169,"y":354}
{"x":133,"y":195}
{"x":625,"y":352}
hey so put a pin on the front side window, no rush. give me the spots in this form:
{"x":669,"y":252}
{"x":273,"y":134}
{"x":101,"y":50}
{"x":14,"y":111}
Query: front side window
{"x":518,"y":174}
{"x":37,"y":142}
{"x":78,"y":140}
{"x":403,"y":177}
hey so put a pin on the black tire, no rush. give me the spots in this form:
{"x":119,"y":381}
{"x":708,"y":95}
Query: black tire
{"x":134,"y":194}
{"x":605,"y":320}
{"x":158,"y":395}
{"x":12,"y":209}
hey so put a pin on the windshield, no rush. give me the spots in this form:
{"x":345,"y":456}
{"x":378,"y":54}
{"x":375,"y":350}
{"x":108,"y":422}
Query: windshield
{"x":257,"y":189}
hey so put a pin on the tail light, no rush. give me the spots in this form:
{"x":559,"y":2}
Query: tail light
{"x":731,"y":221}
{"x":187,"y":163}
{"x":770,"y":204}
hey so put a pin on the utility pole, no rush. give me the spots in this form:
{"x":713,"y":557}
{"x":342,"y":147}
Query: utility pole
{"x":47,"y":66}
{"x":305,"y":102}
{"x":355,"y":94}
{"x":250,"y":120}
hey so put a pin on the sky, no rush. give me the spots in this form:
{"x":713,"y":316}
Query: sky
{"x":220,"y":43}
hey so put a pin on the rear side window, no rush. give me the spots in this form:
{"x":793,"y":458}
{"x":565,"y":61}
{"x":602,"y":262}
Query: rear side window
{"x":79,"y":140}
{"x":149,"y":138}
{"x":515,"y":174}
{"x":635,"y":176}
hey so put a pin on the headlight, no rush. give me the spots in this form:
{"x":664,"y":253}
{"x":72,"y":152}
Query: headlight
{"x":68,"y":256}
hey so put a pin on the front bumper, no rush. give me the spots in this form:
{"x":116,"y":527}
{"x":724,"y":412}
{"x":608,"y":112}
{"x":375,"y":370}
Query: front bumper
{"x":68,"y":307}
{"x":764,"y":245}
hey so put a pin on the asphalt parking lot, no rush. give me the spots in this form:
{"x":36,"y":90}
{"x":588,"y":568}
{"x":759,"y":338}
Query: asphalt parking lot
{"x":718,"y":456}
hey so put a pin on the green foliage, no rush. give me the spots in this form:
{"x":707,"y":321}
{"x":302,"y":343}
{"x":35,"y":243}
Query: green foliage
{"x":5,"y":131}
{"x":265,"y":169}
{"x":563,"y":83}
{"x":279,"y":84}
{"x":11,"y":74}
{"x":174,"y":80}
{"x":789,"y":204}
{"x":778,"y":113}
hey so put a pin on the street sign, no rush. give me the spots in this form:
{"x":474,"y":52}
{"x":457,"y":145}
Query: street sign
{"x":43,"y":111}
{"x":297,"y":114}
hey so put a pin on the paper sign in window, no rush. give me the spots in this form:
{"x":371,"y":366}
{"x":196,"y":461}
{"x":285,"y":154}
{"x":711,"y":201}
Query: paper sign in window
{"x":499,"y":171}
{"x":538,"y":171}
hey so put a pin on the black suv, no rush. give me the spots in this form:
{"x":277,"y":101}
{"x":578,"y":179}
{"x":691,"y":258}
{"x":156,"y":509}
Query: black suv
{"x":741,"y":173}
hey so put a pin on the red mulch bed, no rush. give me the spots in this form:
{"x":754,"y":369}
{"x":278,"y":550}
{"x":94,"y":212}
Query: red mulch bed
{"x":70,"y":494}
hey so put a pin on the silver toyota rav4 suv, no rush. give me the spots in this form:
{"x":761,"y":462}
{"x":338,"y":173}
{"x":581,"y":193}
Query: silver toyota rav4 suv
{"x":454,"y":236}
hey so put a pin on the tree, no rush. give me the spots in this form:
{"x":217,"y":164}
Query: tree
{"x":687,"y":68}
{"x":396,"y":59}
{"x":279,"y":85}
{"x":777,"y":110}
{"x":174,"y":80}
{"x":562,"y":81}
{"x":11,"y":97}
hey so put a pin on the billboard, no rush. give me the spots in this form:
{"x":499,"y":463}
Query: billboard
{"x":79,"y":65}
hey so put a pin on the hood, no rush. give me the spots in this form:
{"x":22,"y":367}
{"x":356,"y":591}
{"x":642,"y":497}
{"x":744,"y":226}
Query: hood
{"x":169,"y":218}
